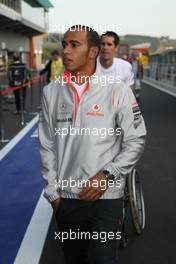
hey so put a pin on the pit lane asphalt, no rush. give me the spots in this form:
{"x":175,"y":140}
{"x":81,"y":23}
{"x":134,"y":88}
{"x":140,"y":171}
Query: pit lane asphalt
{"x":157,"y":168}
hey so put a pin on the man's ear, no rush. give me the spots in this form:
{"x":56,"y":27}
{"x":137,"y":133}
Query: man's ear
{"x":93,"y":52}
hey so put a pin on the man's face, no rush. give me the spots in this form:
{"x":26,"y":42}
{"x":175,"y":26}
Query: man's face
{"x":108,"y":48}
{"x":55,"y":57}
{"x":75,"y":50}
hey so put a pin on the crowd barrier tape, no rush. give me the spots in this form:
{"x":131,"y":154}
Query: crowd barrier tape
{"x":29,"y":84}
{"x":36,"y":79}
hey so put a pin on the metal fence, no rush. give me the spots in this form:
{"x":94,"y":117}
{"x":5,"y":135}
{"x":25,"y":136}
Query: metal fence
{"x":13,"y":4}
{"x":162,"y":72}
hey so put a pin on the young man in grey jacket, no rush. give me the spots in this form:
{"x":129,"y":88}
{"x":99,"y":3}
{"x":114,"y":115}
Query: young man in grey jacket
{"x":91,"y":134}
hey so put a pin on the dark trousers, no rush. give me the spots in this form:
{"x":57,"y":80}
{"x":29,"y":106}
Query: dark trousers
{"x":98,"y":220}
{"x":20,"y":102}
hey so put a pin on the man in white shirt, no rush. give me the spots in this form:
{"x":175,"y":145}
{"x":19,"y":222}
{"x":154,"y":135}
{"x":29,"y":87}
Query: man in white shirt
{"x":119,"y":69}
{"x":137,"y":69}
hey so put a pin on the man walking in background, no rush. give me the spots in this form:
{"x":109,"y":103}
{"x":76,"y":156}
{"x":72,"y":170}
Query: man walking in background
{"x":18,"y":74}
{"x":54,"y":67}
{"x":118,"y":68}
{"x":137,"y":69}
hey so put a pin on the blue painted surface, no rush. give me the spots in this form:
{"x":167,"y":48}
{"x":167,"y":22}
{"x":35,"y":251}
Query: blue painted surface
{"x":20,"y":188}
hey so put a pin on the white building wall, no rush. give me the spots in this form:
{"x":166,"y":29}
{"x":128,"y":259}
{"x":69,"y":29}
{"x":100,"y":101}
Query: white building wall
{"x":14,"y":41}
{"x":8,"y":12}
{"x":34,"y":15}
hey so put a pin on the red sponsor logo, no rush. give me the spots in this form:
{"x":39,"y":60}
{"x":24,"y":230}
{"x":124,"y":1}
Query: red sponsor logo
{"x":94,"y":114}
{"x":96,"y":107}
{"x":134,"y":103}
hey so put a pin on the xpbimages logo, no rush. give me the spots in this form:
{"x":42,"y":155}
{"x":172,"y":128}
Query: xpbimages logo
{"x":102,"y":236}
{"x":96,"y":27}
{"x":78,"y":183}
{"x":94,"y":79}
{"x":102,"y":132}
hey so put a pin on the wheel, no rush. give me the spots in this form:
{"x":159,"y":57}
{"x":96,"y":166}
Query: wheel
{"x":123,"y":222}
{"x":124,"y":240}
{"x":136,"y":201}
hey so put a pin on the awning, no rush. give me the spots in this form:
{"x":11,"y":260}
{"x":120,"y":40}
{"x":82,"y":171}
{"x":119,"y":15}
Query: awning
{"x":145,"y":45}
{"x":39,"y":3}
{"x":45,"y":3}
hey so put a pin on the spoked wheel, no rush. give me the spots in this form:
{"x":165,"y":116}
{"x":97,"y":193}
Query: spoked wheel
{"x":124,"y":240}
{"x":136,"y":201}
{"x":124,"y":235}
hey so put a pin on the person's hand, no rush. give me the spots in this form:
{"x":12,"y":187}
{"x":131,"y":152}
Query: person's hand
{"x":55,"y":204}
{"x":94,"y":187}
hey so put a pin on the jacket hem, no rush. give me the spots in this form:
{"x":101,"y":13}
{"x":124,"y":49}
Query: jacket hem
{"x":109,"y":195}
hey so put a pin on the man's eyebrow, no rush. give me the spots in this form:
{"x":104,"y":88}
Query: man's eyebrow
{"x":109,"y":43}
{"x":72,"y":41}
{"x":75,"y":41}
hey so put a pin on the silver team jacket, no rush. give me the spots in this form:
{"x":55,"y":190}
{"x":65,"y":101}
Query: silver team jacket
{"x":79,"y":138}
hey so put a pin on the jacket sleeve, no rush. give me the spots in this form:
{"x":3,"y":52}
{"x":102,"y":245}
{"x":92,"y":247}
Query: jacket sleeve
{"x":47,"y":150}
{"x":130,"y":78}
{"x":131,"y":122}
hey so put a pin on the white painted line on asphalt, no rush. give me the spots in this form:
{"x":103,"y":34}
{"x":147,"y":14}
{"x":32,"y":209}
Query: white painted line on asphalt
{"x":18,"y":137}
{"x":159,"y":88}
{"x":33,"y":241}
{"x":34,"y":238}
